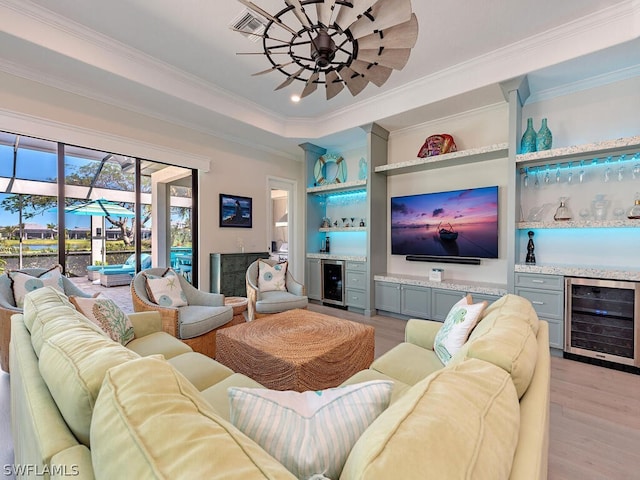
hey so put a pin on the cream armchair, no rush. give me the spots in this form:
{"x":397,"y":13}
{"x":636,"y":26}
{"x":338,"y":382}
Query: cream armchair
{"x":8,"y":308}
{"x":266,"y":303}
{"x":196,"y":323}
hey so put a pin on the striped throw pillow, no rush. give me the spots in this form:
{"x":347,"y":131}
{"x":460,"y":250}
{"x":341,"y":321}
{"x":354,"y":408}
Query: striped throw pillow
{"x":310,"y":433}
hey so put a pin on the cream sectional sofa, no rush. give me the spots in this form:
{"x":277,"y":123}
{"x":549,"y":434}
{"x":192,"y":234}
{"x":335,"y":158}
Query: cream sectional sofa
{"x":85,"y":406}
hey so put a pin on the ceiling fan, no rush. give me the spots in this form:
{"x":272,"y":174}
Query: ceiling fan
{"x":336,"y":43}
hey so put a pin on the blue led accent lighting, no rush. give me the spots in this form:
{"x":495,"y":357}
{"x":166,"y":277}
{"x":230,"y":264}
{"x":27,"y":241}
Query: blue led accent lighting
{"x":624,"y":158}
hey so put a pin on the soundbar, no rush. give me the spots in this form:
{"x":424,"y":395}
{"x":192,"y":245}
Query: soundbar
{"x":436,"y":259}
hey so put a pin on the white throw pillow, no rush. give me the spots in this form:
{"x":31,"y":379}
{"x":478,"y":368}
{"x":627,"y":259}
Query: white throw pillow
{"x":23,"y":283}
{"x":165,"y":290}
{"x":455,"y":331}
{"x":310,"y":433}
{"x":106,"y":314}
{"x":272,"y":278}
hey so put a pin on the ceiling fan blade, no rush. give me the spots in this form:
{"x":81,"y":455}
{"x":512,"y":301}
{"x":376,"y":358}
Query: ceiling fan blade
{"x":252,"y":6}
{"x":311,"y":85}
{"x":347,"y":15}
{"x":275,"y":67}
{"x":290,"y":79}
{"x":299,"y":12}
{"x":324,"y":11}
{"x":395,"y":58}
{"x":355,"y":82}
{"x":333,"y":84}
{"x":404,"y":35}
{"x":385,"y":14}
{"x":376,"y":74}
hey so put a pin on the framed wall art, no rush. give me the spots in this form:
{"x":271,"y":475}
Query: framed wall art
{"x":236,"y":211}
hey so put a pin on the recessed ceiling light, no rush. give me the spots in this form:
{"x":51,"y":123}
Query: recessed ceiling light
{"x":295,"y":98}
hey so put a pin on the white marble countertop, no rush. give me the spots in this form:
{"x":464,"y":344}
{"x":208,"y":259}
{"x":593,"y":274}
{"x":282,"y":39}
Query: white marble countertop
{"x":462,"y":285}
{"x":609,"y":273}
{"x":330,"y":256}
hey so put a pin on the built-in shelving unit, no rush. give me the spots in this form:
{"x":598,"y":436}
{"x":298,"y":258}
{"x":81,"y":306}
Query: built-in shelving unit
{"x":579,"y":224}
{"x":461,"y":157}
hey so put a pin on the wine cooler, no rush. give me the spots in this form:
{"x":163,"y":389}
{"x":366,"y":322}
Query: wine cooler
{"x":602,"y":319}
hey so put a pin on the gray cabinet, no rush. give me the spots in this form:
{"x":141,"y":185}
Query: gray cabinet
{"x":442,"y":301}
{"x":228,"y":272}
{"x":546,"y":294}
{"x":314,"y":278}
{"x":409,"y":300}
{"x":356,"y":284}
{"x":415,"y":301}
{"x":388,"y":297}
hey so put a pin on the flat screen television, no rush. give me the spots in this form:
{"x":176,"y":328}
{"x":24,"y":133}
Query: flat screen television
{"x":458,"y":223}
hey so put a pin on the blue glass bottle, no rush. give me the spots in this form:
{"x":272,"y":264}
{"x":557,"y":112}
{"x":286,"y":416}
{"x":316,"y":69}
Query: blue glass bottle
{"x":528,"y":142}
{"x":544,"y":137}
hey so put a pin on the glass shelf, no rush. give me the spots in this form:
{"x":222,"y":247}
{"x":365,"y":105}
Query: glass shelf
{"x":342,"y":229}
{"x":623,"y":223}
{"x":628,"y":145}
{"x":350,"y":187}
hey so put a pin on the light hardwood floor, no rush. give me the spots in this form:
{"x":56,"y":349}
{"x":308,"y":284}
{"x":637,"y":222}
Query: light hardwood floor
{"x":595,"y":412}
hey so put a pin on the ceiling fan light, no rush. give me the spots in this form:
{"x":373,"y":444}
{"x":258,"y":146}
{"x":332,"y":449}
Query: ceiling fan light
{"x":323,"y":49}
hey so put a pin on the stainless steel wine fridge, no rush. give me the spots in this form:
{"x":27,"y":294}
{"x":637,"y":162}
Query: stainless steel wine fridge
{"x":602,"y":320}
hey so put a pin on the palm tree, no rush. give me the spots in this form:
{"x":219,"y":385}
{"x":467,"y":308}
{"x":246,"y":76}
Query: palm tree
{"x":52,"y":227}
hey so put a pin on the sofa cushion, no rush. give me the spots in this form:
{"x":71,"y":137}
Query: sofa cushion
{"x":106,"y":314}
{"x":310,"y":433}
{"x":515,"y":307}
{"x":505,"y":338}
{"x":454,"y":333}
{"x":159,"y":342}
{"x":73,"y":363}
{"x":408,"y":363}
{"x":23,"y":283}
{"x":472,"y":414}
{"x":53,"y":318}
{"x":147,"y":400}
{"x":41,"y":300}
{"x":272,"y":278}
{"x":200,"y":370}
{"x":398,"y":389}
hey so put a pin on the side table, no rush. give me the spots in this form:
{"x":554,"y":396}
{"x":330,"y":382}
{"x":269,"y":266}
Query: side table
{"x":239,"y":305}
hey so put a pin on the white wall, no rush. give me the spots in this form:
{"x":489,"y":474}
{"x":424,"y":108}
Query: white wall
{"x":30,"y":108}
{"x":474,"y":129}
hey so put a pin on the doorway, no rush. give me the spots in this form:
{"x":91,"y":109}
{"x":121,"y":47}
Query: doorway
{"x":281,"y":231}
